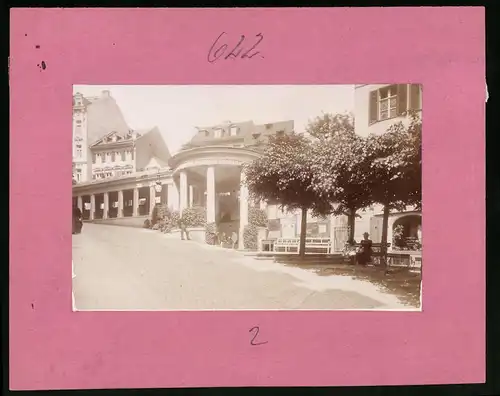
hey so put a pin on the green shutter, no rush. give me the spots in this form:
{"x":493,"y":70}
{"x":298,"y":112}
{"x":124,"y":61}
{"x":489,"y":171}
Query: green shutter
{"x":373,"y":107}
{"x":402,"y":98}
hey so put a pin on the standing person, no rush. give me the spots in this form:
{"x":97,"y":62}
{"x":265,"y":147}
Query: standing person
{"x":363,"y":256}
{"x":183,"y":228}
{"x":77,"y":220}
{"x":234,"y":239}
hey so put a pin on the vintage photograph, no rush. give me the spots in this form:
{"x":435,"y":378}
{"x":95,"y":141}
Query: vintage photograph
{"x":247,"y":197}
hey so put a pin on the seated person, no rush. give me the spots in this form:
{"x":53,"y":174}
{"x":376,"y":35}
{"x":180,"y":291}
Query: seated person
{"x":364,"y":254}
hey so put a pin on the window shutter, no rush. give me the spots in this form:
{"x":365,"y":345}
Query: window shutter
{"x":402,"y":99}
{"x":415,"y":101}
{"x":373,"y":107}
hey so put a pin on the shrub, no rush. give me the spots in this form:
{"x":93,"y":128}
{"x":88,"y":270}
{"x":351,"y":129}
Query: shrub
{"x":156,"y":226}
{"x":211,"y":233}
{"x":147,"y":224}
{"x":250,"y":237}
{"x":194,"y":216}
{"x":160,"y":212}
{"x":397,"y":237}
{"x":257,"y":217}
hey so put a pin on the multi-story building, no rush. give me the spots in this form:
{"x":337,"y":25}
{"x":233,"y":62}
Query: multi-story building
{"x":377,"y":107}
{"x":93,"y":118}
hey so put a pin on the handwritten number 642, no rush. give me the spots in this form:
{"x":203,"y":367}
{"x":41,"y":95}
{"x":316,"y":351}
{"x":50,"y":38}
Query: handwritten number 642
{"x":255,"y":330}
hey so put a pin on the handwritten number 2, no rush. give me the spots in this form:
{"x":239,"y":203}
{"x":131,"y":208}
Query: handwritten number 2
{"x":255,"y":330}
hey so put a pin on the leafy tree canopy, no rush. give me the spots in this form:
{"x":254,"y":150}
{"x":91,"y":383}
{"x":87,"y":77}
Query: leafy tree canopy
{"x":284,"y":174}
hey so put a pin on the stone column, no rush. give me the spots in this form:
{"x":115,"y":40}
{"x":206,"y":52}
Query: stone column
{"x":106,"y":205}
{"x":191,"y":195}
{"x":92,"y":207}
{"x":183,"y":193}
{"x":210,"y":194}
{"x":120,"y":204}
{"x":135,"y":202}
{"x":79,"y":202}
{"x":152,"y":198}
{"x":173,"y":196}
{"x":243,"y":209}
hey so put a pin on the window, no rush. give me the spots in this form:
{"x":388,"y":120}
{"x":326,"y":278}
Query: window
{"x":280,"y":133}
{"x":78,"y":122}
{"x":218,"y":133}
{"x":113,"y":155}
{"x":269,"y":126}
{"x":234,"y":131}
{"x":256,"y":135}
{"x":79,"y":153}
{"x":388,"y":102}
{"x":93,"y":158}
{"x":123,"y":155}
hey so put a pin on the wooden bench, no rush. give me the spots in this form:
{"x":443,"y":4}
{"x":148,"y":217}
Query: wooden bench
{"x":376,"y":252}
{"x":313,"y":245}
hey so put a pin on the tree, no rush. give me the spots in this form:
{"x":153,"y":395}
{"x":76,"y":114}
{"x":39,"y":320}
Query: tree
{"x":395,"y":175}
{"x":339,"y":169}
{"x":327,"y":126}
{"x":283,"y":174}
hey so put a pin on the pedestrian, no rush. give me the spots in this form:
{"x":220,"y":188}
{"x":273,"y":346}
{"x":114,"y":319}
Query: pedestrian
{"x":234,"y":239}
{"x":77,"y":220}
{"x":183,"y":228}
{"x":364,"y":254}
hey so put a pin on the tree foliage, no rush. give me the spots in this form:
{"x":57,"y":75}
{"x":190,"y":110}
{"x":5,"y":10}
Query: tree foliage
{"x":328,"y":126}
{"x":283,"y":174}
{"x":340,"y":166}
{"x":395,"y":174}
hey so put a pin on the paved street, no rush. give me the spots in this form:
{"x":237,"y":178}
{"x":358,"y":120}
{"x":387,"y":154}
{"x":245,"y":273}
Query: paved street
{"x":136,"y":269}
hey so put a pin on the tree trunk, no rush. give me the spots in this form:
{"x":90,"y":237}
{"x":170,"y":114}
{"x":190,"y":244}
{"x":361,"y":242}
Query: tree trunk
{"x":351,"y":219}
{"x":385,"y":226}
{"x":303,"y":231}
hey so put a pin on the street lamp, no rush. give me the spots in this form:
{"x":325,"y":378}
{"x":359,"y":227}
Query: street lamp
{"x":158,"y":188}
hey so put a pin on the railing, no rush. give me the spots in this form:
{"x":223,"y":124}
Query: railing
{"x":313,"y":245}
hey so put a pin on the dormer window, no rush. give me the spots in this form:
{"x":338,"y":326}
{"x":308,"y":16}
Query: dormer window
{"x":280,"y":133}
{"x":218,"y":133}
{"x":233,"y":130}
{"x":205,"y":132}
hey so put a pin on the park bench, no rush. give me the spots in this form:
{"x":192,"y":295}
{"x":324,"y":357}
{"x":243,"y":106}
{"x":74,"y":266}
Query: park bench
{"x":376,"y":252}
{"x":313,"y":245}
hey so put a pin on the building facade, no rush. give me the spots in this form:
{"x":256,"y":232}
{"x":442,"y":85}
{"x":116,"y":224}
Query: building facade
{"x":93,"y":118}
{"x":123,"y":169}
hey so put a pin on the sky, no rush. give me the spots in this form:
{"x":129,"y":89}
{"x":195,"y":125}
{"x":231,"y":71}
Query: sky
{"x":177,"y":109}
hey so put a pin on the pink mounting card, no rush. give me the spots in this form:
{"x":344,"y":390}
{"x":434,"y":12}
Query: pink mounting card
{"x":52,"y":347}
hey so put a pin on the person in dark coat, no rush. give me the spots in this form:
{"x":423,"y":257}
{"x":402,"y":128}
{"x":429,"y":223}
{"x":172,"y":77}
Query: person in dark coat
{"x":364,"y":255}
{"x":77,"y":220}
{"x":183,"y":228}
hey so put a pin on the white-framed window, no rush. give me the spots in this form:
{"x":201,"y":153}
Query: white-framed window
{"x":233,"y":130}
{"x":78,"y":175}
{"x":217,"y":132}
{"x":387,"y":102}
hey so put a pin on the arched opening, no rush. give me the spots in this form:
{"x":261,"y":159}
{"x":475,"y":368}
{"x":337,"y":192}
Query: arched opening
{"x":407,"y":233}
